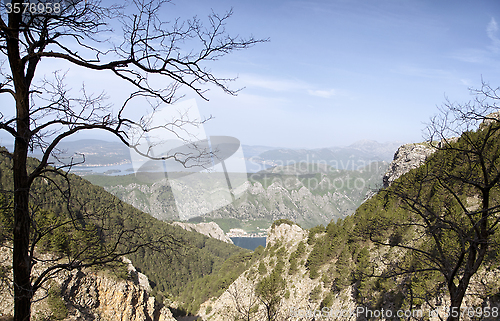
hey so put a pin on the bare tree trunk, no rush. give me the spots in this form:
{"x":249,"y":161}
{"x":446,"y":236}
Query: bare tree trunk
{"x":457,"y":293}
{"x":456,"y":303}
{"x":21,"y":258}
{"x":21,"y":233}
{"x":23,"y":44}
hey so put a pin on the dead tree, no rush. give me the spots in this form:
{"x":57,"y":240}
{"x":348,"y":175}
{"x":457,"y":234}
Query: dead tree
{"x":445,"y":214}
{"x":44,"y":111}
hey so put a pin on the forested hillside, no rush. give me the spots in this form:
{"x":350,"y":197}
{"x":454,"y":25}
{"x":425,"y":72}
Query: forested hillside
{"x":184,"y":256}
{"x":410,"y":249}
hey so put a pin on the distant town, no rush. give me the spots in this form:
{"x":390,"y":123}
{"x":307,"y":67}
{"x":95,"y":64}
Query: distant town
{"x":238,"y":232}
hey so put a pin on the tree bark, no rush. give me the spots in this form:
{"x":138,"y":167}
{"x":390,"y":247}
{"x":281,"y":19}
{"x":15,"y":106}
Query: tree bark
{"x":456,"y":303}
{"x":21,"y":232}
{"x":21,"y":262}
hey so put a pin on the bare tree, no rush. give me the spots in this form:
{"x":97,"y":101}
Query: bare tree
{"x":44,"y":111}
{"x":445,"y":214}
{"x":244,"y":298}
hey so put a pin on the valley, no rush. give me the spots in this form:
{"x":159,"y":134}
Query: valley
{"x":308,"y":193}
{"x":320,"y":228}
{"x":249,"y":160}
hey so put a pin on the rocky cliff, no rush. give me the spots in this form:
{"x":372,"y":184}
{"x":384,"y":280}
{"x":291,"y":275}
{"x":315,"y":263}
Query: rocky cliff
{"x":85,"y":294}
{"x":240,"y":300}
{"x":210,"y":229}
{"x":311,"y":197}
{"x":315,"y":298}
{"x":406,"y":158}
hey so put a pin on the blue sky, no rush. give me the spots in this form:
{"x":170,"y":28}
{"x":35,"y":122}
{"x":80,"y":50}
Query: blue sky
{"x":335,"y":72}
{"x":338,"y":71}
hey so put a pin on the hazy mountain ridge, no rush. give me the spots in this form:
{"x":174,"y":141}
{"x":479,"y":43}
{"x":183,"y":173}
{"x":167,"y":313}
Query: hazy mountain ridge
{"x":95,"y":152}
{"x":352,"y":157}
{"x":105,"y":153}
{"x":311,"y":197}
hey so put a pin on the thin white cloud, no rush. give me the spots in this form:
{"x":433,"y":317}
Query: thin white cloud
{"x":491,"y":31}
{"x":483,"y":55}
{"x":417,"y":71}
{"x":466,"y":82}
{"x":322,"y":93}
{"x":273,"y":84}
{"x":283,"y":85}
{"x":471,"y":55}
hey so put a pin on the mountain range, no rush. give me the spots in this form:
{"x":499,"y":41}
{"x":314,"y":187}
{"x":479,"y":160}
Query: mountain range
{"x":351,"y":157}
{"x":259,"y":157}
{"x":324,"y":272}
{"x":309,"y":194}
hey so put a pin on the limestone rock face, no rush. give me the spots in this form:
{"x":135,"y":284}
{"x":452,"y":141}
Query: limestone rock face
{"x":155,"y":199}
{"x":210,"y":229}
{"x":286,"y":233}
{"x":303,"y":296}
{"x":139,"y":279}
{"x":493,"y":117}
{"x":240,"y":302}
{"x":89,"y":295}
{"x":308,"y":196}
{"x":406,"y":158}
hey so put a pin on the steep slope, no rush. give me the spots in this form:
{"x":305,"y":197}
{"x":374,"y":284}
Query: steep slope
{"x":406,"y":158}
{"x":185,"y":255}
{"x":210,"y":229}
{"x":89,"y":295}
{"x":323,"y":274}
{"x":357,"y":267}
{"x":309,"y":194}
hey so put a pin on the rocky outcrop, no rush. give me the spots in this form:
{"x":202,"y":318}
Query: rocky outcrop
{"x":89,"y":295}
{"x":139,"y":279}
{"x":303,"y":297}
{"x":210,"y":229}
{"x":285,"y":233}
{"x":490,"y":119}
{"x":240,"y":302}
{"x":406,"y":158}
{"x":93,"y":296}
{"x":309,"y":195}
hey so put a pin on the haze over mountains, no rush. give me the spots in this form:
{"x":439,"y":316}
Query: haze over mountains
{"x":304,"y":193}
{"x":352,"y":157}
{"x":336,"y":180}
{"x":258,"y":157}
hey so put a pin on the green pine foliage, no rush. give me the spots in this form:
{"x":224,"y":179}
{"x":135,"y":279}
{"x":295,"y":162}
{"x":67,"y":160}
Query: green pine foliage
{"x":89,"y":221}
{"x":282,"y":221}
{"x":56,"y":303}
{"x":213,"y":285}
{"x":344,"y":251}
{"x":271,"y":290}
{"x":262,"y":268}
